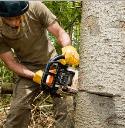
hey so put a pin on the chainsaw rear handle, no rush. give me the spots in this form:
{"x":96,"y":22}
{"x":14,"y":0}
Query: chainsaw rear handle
{"x":57,"y":58}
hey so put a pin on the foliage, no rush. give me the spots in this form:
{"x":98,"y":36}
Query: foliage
{"x":6,"y":76}
{"x":68,"y":14}
{"x":5,"y":73}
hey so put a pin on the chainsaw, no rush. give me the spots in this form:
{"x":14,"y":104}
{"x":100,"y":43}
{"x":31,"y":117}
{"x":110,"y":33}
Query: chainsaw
{"x":57,"y":75}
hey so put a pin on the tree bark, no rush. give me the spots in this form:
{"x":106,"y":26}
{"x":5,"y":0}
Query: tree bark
{"x":101,"y":97}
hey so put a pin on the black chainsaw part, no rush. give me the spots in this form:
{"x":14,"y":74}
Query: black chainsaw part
{"x":61,"y":77}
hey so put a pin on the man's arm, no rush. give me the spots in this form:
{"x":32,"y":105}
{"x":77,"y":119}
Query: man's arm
{"x":16,"y":67}
{"x":62,"y":37}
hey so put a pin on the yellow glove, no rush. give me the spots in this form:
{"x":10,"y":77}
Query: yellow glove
{"x":71,"y":56}
{"x":38,"y":76}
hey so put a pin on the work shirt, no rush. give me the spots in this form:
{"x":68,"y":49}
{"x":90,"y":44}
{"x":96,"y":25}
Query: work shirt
{"x":30,"y":42}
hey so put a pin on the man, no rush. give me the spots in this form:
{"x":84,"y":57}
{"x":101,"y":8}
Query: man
{"x":23,"y":27}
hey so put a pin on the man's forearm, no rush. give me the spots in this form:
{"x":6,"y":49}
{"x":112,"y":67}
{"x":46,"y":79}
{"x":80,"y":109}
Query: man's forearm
{"x":63,"y":39}
{"x":60,"y":34}
{"x":16,"y":67}
{"x":20,"y":70}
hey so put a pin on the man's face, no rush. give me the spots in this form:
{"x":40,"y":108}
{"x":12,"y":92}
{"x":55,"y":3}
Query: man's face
{"x":13,"y":22}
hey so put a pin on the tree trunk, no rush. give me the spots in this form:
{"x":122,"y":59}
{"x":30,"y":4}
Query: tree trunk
{"x":101,"y":97}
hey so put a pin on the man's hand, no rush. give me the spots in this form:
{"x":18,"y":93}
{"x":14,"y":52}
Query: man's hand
{"x":71,"y":55}
{"x":38,"y":76}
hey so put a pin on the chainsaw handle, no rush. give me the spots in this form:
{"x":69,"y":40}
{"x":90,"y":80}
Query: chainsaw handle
{"x":58,"y":57}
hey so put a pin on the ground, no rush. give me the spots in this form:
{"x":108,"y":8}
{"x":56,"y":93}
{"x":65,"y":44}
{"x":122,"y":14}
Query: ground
{"x":42,"y":115}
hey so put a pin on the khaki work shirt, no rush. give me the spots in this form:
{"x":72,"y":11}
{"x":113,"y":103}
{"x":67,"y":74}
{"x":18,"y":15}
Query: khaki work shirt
{"x":30,"y":42}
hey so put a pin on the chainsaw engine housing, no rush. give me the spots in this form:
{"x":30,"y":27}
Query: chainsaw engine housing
{"x":58,"y":74}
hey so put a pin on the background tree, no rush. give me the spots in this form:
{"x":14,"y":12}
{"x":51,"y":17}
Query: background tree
{"x":101,"y":100}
